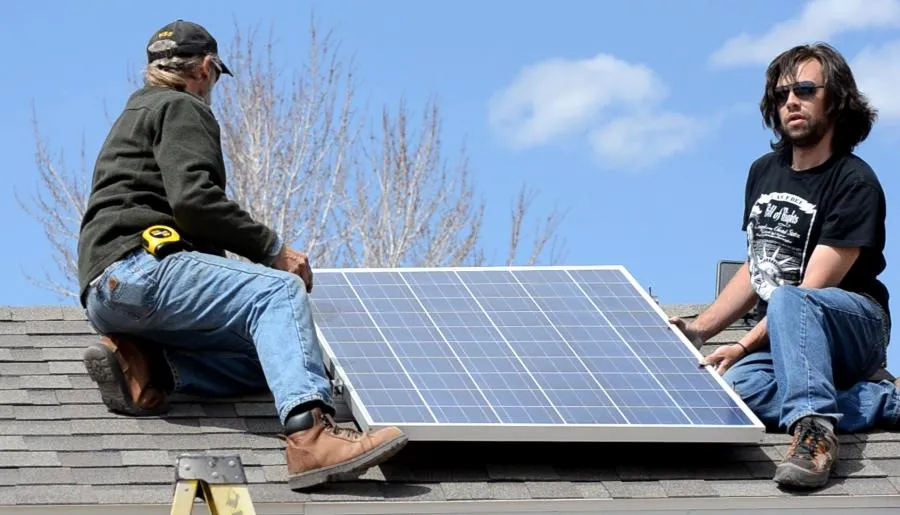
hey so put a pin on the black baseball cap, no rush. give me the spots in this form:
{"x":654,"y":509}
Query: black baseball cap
{"x":183,"y":39}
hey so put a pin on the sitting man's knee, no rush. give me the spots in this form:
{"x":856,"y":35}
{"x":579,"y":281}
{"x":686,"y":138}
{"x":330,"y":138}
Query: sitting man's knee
{"x":784,"y":297}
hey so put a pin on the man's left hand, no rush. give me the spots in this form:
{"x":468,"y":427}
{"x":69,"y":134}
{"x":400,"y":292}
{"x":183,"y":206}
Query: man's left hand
{"x":723,"y":357}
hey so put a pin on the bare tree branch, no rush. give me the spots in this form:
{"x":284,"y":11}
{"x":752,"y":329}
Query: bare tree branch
{"x":58,"y":206}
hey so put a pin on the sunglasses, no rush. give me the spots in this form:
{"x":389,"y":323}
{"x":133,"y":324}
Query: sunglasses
{"x":802,"y":90}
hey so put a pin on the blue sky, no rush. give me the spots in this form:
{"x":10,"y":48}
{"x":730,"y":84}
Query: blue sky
{"x":641,"y":120}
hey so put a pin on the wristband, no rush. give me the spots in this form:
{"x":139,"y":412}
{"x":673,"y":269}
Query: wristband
{"x":742,"y":346}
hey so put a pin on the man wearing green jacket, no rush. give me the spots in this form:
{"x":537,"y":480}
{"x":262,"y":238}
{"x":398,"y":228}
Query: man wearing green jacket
{"x":189,"y":319}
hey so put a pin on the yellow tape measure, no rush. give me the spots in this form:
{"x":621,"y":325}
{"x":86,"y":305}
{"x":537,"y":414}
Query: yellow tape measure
{"x":161,"y":240}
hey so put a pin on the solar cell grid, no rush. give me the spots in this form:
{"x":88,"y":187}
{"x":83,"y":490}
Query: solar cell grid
{"x":475,"y":348}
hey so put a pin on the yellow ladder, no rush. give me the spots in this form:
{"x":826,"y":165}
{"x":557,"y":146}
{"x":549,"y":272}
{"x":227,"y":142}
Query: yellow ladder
{"x":217,"y":480}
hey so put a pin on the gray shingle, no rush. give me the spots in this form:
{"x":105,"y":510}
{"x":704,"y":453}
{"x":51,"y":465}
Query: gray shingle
{"x":255,"y":409}
{"x":24,"y":368}
{"x":91,"y":459}
{"x":552,"y":490}
{"x":82,"y":382}
{"x":688,"y":488}
{"x":412,"y":492}
{"x":100,"y":476}
{"x":141,"y":441}
{"x":858,"y":468}
{"x":168,"y":426}
{"x":858,"y":486}
{"x":12,"y":443}
{"x":29,"y":459}
{"x":48,"y":342}
{"x":105,"y":426}
{"x":70,"y":443}
{"x":46,"y":382}
{"x":25,"y":354}
{"x":78,"y":411}
{"x":45,"y":397}
{"x":46,"y":476}
{"x":146,"y":458}
{"x":78,"y":396}
{"x":66,"y":367}
{"x":890,"y":466}
{"x":74,"y":314}
{"x":63,"y":354}
{"x":9,"y":477}
{"x":508,"y":491}
{"x":135,"y":494}
{"x":466,"y":491}
{"x":879,"y":436}
{"x":224,"y":425}
{"x":13,"y":397}
{"x":6,"y":355}
{"x":76,"y":494}
{"x":149,"y":475}
{"x":5,"y":314}
{"x":592,"y":490}
{"x":6,"y":412}
{"x":14,"y":341}
{"x":9,"y":382}
{"x":13,"y":328}
{"x":181,"y":410}
{"x":879,"y":449}
{"x":747,"y":488}
{"x":634,"y":489}
{"x":22,"y":314}
{"x":349,"y":491}
{"x":58,"y":327}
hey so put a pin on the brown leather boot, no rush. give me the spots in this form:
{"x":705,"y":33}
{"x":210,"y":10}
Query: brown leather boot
{"x":328,"y":452}
{"x":122,"y":372}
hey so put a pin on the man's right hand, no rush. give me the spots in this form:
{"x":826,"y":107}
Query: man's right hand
{"x":290,"y":260}
{"x":692,"y":334}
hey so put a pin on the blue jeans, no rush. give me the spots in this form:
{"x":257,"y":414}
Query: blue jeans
{"x":823,"y":345}
{"x":226,"y":327}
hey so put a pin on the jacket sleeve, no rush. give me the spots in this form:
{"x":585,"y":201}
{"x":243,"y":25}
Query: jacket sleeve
{"x":189,"y":154}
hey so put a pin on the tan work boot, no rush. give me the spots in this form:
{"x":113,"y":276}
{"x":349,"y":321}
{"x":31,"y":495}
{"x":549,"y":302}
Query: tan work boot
{"x":327,"y":452}
{"x":122,"y":373}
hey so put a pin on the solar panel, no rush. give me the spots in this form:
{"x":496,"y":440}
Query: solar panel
{"x":517,"y":354}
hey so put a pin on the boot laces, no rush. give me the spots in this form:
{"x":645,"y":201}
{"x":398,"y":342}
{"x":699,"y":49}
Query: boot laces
{"x":332,"y":427}
{"x":809,"y":439}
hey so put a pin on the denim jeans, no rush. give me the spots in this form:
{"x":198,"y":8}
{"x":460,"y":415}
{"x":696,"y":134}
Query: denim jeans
{"x":226,"y":327}
{"x":823,"y":345}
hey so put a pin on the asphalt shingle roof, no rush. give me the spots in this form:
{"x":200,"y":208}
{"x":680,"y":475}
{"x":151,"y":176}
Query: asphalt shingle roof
{"x":59,"y":445}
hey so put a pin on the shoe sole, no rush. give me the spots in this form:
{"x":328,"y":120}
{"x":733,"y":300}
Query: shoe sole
{"x":794,"y":476}
{"x":349,"y":470}
{"x":103,"y":368}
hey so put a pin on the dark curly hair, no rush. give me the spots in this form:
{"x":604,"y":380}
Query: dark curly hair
{"x":848,"y":109}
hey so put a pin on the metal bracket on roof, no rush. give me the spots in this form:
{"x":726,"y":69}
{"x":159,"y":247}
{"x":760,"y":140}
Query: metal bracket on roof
{"x":218,"y":480}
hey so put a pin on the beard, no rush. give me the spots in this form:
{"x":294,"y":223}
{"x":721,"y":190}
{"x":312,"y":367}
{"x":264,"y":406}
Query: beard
{"x":808,"y":136}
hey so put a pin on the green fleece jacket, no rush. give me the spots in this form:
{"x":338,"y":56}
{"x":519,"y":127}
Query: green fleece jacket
{"x":162,"y":164}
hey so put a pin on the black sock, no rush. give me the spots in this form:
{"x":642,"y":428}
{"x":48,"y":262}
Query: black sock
{"x":301,"y":418}
{"x":160,"y":373}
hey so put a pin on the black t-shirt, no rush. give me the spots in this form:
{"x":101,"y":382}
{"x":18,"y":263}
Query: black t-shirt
{"x":839,"y":203}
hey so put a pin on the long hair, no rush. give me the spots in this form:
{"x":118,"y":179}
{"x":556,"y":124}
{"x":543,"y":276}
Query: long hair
{"x":171,"y":72}
{"x":847,"y":107}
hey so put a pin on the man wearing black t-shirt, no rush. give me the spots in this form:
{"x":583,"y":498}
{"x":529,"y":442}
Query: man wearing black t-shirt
{"x":815,"y":221}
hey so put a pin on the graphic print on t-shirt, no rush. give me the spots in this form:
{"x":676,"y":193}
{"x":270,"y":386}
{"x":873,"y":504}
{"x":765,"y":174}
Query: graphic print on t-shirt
{"x":778,"y":233}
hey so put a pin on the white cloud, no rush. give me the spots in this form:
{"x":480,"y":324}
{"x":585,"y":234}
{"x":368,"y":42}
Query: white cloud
{"x":877,"y":72}
{"x":640,"y":140}
{"x":611,"y":102}
{"x":819,"y":20}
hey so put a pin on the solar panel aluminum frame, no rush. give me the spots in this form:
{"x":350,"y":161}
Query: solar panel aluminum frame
{"x":512,"y":432}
